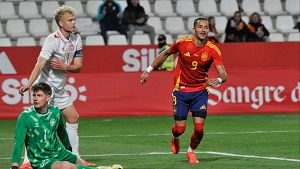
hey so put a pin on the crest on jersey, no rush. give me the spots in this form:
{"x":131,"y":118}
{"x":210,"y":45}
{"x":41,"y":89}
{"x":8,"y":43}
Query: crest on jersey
{"x":72,"y":47}
{"x":52,"y":122}
{"x":204,"y":56}
{"x":37,"y":125}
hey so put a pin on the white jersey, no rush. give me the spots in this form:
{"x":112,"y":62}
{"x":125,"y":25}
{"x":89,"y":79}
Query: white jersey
{"x":57,"y":46}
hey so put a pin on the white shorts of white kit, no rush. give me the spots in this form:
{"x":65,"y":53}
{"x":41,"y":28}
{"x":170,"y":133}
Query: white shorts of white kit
{"x":61,"y":99}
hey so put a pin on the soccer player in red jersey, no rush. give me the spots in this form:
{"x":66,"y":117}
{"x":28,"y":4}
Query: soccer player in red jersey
{"x":191,"y":82}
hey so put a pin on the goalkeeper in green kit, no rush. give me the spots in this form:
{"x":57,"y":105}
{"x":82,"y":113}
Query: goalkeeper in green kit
{"x":39,"y":127}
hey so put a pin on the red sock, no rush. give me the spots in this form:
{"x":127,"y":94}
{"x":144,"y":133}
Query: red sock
{"x":177,"y":130}
{"x":197,"y":135}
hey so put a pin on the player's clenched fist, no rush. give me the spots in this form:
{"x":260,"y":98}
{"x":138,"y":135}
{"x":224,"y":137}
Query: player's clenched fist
{"x":213,"y":82}
{"x":23,"y":89}
{"x":58,"y":64}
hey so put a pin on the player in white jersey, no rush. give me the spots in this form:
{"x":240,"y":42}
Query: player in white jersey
{"x":61,"y":53}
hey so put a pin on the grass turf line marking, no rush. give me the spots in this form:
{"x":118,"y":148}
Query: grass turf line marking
{"x":210,"y":133}
{"x":201,"y":152}
{"x":168,"y":134}
{"x":252,"y":156}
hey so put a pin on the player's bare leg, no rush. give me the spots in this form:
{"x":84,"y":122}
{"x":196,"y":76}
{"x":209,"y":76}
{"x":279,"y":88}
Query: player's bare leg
{"x":195,"y":139}
{"x":177,"y":129}
{"x":71,"y":116}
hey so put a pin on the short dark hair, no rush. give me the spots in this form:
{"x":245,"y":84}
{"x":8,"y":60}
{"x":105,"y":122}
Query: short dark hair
{"x":43,"y":87}
{"x":161,"y":38}
{"x":199,"y":19}
{"x":237,"y":12}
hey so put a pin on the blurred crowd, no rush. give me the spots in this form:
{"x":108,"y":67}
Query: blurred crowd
{"x":111,"y":17}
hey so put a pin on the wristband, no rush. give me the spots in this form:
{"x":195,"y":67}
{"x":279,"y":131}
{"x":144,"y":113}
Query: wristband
{"x":220,"y":80}
{"x":149,"y":69}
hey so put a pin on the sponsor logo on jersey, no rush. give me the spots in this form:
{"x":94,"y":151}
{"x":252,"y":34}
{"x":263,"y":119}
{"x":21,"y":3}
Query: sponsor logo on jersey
{"x":187,"y":54}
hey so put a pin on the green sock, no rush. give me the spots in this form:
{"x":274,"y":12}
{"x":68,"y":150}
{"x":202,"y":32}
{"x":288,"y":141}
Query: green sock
{"x":79,"y":166}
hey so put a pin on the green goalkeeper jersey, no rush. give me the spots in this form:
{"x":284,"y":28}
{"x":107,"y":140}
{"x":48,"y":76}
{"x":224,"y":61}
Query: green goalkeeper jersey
{"x":38,"y":132}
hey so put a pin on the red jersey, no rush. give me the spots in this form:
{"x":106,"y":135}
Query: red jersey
{"x":193,"y":64}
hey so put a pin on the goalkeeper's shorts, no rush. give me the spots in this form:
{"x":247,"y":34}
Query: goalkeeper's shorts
{"x":63,"y":155}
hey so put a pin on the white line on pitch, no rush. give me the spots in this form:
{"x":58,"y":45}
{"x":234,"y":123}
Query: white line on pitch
{"x":252,"y":156}
{"x":201,"y":152}
{"x":210,"y":133}
{"x":168,"y":134}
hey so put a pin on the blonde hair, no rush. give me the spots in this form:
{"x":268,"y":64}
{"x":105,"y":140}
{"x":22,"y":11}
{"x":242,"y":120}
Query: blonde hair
{"x":61,"y":11}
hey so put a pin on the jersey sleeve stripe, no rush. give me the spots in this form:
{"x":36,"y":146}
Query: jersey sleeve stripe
{"x":177,"y":82}
{"x":211,"y":45}
{"x":186,"y":38}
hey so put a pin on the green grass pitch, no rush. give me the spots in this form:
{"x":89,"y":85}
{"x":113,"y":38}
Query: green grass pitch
{"x":230,"y":142}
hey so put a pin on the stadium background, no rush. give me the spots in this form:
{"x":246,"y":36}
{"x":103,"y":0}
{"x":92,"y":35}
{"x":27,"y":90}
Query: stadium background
{"x":263,"y":78}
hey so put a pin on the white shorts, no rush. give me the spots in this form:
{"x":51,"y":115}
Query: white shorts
{"x":61,"y":99}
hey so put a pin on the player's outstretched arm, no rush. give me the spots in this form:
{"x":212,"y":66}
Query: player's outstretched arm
{"x":34,"y":74}
{"x":158,"y":61}
{"x":20,"y":134}
{"x":215,"y":82}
